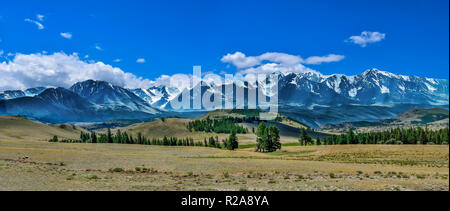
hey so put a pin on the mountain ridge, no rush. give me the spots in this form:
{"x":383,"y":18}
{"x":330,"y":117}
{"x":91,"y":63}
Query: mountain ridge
{"x":428,"y":117}
{"x":308,"y":97}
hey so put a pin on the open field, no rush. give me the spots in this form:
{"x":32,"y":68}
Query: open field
{"x":38,"y":165}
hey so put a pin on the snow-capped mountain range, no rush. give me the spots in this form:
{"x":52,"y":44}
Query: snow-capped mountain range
{"x":11,"y":94}
{"x":373,"y":87}
{"x":373,"y":90}
{"x":158,"y":96}
{"x":109,"y":96}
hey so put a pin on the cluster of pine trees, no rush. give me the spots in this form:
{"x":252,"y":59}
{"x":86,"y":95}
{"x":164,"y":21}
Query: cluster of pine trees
{"x":417,"y":135}
{"x":305,"y":138}
{"x":218,"y":126}
{"x":230,"y":143}
{"x":124,"y":138}
{"x":212,"y":142}
{"x":268,"y":138}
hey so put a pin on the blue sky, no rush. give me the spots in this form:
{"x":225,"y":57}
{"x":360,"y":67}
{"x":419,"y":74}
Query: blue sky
{"x":172,"y":36}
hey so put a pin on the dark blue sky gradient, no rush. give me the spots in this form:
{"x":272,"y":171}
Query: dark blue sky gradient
{"x":175,"y":35}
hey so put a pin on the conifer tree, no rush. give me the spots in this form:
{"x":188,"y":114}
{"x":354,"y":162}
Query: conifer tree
{"x":260,"y":139}
{"x":273,"y":142}
{"x":232,"y":142}
{"x":93,"y":137}
{"x":54,"y":139}
{"x":304,"y":138}
{"x":109,"y":136}
{"x":119,"y":136}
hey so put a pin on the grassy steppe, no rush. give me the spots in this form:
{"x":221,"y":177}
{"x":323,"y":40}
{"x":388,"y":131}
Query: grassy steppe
{"x":37,"y":165}
{"x":29,"y":162}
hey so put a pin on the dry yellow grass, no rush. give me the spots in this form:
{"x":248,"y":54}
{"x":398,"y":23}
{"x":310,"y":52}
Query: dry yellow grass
{"x":37,"y":165}
{"x":14,"y":127}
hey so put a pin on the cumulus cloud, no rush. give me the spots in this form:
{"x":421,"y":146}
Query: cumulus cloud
{"x":40,"y":17}
{"x":140,"y":60}
{"x":38,"y":24}
{"x":276,"y":62}
{"x":367,"y":37}
{"x":166,"y":80}
{"x":276,"y":67}
{"x":117,"y":60}
{"x":240,"y":60}
{"x":62,"y":70}
{"x":324,"y":59}
{"x":66,"y":35}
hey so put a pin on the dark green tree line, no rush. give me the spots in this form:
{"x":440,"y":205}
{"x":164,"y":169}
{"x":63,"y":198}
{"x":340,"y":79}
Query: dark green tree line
{"x":218,"y":126}
{"x":411,"y":135}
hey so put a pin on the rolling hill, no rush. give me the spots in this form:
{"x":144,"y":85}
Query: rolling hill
{"x":433,"y":118}
{"x":176,"y":127}
{"x":250,"y":113}
{"x":20,"y":128}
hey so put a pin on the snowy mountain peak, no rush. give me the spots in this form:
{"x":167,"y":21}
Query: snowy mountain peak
{"x":111,"y":96}
{"x":12,"y":94}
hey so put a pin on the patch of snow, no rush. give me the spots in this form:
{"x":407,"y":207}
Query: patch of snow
{"x":432,"y":81}
{"x":353,"y":92}
{"x":388,"y":74}
{"x":430,"y":88}
{"x":385,"y":90}
{"x":312,"y":89}
{"x":293,"y":82}
{"x":351,"y":79}
{"x":337,"y":83}
{"x":406,"y":78}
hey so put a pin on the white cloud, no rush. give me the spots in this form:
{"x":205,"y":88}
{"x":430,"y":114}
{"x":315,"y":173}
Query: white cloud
{"x":1,"y":52}
{"x":40,"y":17}
{"x":240,"y":60}
{"x":324,"y":59}
{"x":66,"y":35}
{"x":117,"y":60}
{"x":38,"y":24}
{"x":180,"y":81}
{"x":281,"y":58}
{"x":276,"y":62}
{"x":98,"y":47}
{"x":367,"y":37}
{"x":60,"y":69}
{"x":276,"y":67}
{"x":140,"y":60}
